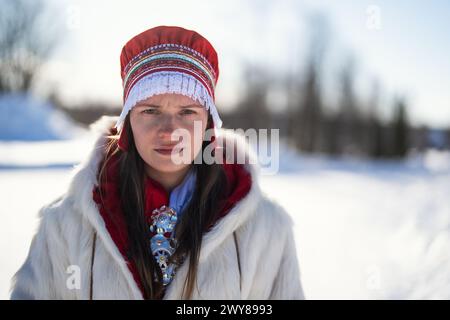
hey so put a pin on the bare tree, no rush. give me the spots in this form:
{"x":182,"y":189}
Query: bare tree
{"x":374,"y":141}
{"x":306,"y":119}
{"x":348,"y":117}
{"x":27,"y":37}
{"x":252,"y":108}
{"x":400,"y":129}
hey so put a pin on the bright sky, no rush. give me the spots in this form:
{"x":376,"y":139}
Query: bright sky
{"x":402,"y":44}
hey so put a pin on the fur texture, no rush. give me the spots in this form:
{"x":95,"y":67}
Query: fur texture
{"x":61,"y":249}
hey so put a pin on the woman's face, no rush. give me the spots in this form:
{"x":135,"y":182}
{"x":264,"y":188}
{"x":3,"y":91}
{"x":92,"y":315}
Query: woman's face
{"x":155,"y":119}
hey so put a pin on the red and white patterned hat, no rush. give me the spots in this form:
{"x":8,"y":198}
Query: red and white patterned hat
{"x":169,"y":59}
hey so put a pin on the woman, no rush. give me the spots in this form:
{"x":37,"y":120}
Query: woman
{"x":148,"y":215}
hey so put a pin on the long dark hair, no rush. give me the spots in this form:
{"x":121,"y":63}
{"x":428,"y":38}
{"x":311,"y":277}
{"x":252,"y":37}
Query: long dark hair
{"x":200,"y":213}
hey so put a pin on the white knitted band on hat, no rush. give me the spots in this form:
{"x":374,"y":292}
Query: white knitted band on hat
{"x":169,"y":82}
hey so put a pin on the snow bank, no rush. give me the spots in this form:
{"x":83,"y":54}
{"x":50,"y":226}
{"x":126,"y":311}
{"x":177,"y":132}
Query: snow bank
{"x":25,"y":118}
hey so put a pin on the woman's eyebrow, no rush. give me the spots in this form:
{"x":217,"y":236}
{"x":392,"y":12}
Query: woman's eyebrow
{"x":143,"y":104}
{"x":192,"y":106}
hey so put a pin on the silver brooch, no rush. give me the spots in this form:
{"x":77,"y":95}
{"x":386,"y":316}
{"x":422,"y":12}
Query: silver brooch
{"x":164,"y":220}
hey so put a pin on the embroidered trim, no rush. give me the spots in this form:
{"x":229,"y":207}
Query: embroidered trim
{"x":169,"y":45}
{"x":167,"y":57}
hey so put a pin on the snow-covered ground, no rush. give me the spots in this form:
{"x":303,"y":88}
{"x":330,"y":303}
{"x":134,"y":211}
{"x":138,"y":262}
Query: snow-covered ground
{"x":363,"y":229}
{"x":28,"y":118}
{"x":370,"y":230}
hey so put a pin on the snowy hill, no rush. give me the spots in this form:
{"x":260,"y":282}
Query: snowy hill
{"x":25,"y":118}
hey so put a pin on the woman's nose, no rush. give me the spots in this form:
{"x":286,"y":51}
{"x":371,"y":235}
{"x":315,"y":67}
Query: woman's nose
{"x":166,"y":125}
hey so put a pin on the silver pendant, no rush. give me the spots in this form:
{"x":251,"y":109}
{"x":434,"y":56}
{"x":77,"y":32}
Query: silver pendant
{"x":164,"y":220}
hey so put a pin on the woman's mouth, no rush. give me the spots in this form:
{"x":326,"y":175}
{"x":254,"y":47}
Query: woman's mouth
{"x":168,"y":151}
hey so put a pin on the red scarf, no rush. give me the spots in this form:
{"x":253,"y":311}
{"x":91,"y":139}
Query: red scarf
{"x":239,"y":182}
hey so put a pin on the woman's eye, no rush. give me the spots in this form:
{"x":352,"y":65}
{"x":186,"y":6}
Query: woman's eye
{"x":188,"y":111}
{"x":150,"y":111}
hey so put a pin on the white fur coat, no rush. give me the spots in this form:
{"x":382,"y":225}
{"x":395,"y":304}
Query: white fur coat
{"x":59,"y":260}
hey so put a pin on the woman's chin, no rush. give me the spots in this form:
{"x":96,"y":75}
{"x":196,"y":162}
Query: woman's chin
{"x":166,"y":164}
